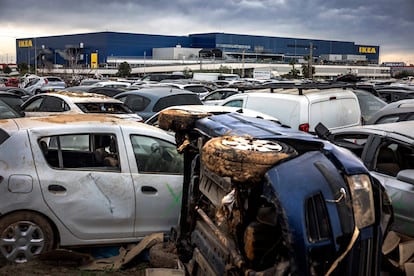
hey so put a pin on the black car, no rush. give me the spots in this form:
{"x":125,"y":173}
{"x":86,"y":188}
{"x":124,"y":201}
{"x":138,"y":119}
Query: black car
{"x":148,"y":101}
{"x":107,"y":91}
{"x":7,"y":112}
{"x":13,"y":100}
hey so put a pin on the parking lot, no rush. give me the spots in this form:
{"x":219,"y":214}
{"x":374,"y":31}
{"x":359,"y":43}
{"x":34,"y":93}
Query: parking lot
{"x":272,"y":177}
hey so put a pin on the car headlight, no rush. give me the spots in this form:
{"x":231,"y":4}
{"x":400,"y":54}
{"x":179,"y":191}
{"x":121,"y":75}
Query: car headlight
{"x":362,"y":199}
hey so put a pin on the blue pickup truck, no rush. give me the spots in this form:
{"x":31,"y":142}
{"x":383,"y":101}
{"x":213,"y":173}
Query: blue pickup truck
{"x":263,"y":199}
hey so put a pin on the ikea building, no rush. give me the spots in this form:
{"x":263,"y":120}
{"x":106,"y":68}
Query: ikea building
{"x":100,"y":49}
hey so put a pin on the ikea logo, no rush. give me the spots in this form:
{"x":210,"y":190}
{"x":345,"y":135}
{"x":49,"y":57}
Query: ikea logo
{"x":367,"y":50}
{"x":25,"y":43}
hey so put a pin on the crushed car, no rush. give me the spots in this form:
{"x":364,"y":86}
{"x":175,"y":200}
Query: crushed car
{"x":263,"y":199}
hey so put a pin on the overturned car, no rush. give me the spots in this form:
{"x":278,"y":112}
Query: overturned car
{"x":262,"y":199}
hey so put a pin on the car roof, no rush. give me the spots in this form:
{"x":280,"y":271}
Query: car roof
{"x":406,"y":103}
{"x":311,"y":94}
{"x":81,"y":96}
{"x":69,"y":121}
{"x":156,"y":92}
{"x":404,"y":128}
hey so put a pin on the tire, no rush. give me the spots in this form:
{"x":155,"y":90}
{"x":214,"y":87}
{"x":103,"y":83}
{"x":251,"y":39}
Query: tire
{"x":243,"y":159}
{"x":177,"y":120}
{"x":23,"y":235}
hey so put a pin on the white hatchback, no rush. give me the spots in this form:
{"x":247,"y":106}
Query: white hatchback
{"x":77,"y":180}
{"x":64,"y":102}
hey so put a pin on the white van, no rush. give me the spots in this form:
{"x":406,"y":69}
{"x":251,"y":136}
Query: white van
{"x":304,"y":109}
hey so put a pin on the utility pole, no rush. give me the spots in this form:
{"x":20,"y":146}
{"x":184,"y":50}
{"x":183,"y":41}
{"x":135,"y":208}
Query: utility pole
{"x":310,"y":60}
{"x":243,"y":64}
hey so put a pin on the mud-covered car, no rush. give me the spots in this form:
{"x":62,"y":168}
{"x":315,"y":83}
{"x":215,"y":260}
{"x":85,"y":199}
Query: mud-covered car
{"x":261,"y":199}
{"x":84,"y":179}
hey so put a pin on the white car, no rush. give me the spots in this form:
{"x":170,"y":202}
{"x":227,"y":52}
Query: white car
{"x":302,"y":108}
{"x":36,"y":85}
{"x":65,"y":102}
{"x":112,"y":84}
{"x":77,"y":180}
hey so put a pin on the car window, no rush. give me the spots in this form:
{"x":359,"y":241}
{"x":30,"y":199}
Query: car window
{"x":54,"y":79}
{"x":53,"y":104}
{"x":392,"y":156}
{"x":34,"y":105}
{"x":7,"y":112}
{"x":213,"y":96}
{"x":112,"y":108}
{"x":388,"y":119}
{"x":197,"y":89}
{"x":156,"y":156}
{"x":354,"y":142}
{"x":234,"y":103}
{"x":183,"y":99}
{"x":81,"y":151}
{"x":32,"y":82}
{"x":135,"y":102}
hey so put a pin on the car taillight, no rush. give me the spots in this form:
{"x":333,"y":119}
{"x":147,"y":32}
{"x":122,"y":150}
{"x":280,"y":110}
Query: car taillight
{"x":304,"y":127}
{"x":46,"y":81}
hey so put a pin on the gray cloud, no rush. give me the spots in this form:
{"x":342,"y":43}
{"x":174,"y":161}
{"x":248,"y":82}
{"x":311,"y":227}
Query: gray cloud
{"x":375,"y":22}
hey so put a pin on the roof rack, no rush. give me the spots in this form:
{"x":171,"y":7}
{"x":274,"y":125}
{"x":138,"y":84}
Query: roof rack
{"x":300,"y":87}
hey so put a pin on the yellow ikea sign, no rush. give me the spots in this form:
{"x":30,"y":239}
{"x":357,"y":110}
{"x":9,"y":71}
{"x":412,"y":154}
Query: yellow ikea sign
{"x":367,"y":50}
{"x":25,"y":43}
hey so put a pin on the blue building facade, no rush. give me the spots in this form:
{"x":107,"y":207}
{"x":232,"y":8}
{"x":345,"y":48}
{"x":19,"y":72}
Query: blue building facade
{"x":93,"y":48}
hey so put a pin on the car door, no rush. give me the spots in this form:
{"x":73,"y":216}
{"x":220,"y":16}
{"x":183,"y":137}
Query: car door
{"x":390,"y":158}
{"x":91,"y":198}
{"x":157,"y":173}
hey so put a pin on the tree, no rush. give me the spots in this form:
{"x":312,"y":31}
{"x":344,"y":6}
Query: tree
{"x":7,"y":70}
{"x":294,"y":73}
{"x":124,"y":70}
{"x":23,"y":68}
{"x":305,"y":70}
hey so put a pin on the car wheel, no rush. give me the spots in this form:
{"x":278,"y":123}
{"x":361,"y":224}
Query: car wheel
{"x":23,"y":235}
{"x":243,"y":159}
{"x":177,"y":120}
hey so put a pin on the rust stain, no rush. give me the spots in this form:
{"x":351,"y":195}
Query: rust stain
{"x":62,"y":119}
{"x":81,"y":94}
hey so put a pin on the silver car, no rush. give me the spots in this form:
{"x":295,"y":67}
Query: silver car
{"x":77,"y":180}
{"x":387,"y":150}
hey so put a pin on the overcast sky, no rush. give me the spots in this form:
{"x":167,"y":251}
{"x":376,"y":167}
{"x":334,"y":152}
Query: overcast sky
{"x":387,"y":23}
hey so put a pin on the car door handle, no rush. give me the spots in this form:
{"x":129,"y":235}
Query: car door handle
{"x":148,"y":190}
{"x":56,"y":188}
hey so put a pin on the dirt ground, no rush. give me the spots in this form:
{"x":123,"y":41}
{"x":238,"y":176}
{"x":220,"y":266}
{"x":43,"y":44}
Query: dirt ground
{"x":72,"y":263}
{"x":61,"y":268}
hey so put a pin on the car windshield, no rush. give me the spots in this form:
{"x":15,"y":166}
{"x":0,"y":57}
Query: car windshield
{"x":112,"y":108}
{"x":6,"y":112}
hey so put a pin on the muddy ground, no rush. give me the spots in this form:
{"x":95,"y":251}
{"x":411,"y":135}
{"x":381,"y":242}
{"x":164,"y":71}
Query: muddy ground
{"x":73,"y":263}
{"x":56,"y":268}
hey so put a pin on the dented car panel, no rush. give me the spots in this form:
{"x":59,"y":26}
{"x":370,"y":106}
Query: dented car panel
{"x":316,"y":212}
{"x":50,"y":166}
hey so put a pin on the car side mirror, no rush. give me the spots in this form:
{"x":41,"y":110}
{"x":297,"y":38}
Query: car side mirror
{"x":322,"y":131}
{"x":406,"y":176}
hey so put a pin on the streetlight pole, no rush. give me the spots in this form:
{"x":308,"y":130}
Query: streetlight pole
{"x":35,"y":61}
{"x":310,"y":60}
{"x":145,"y":55}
